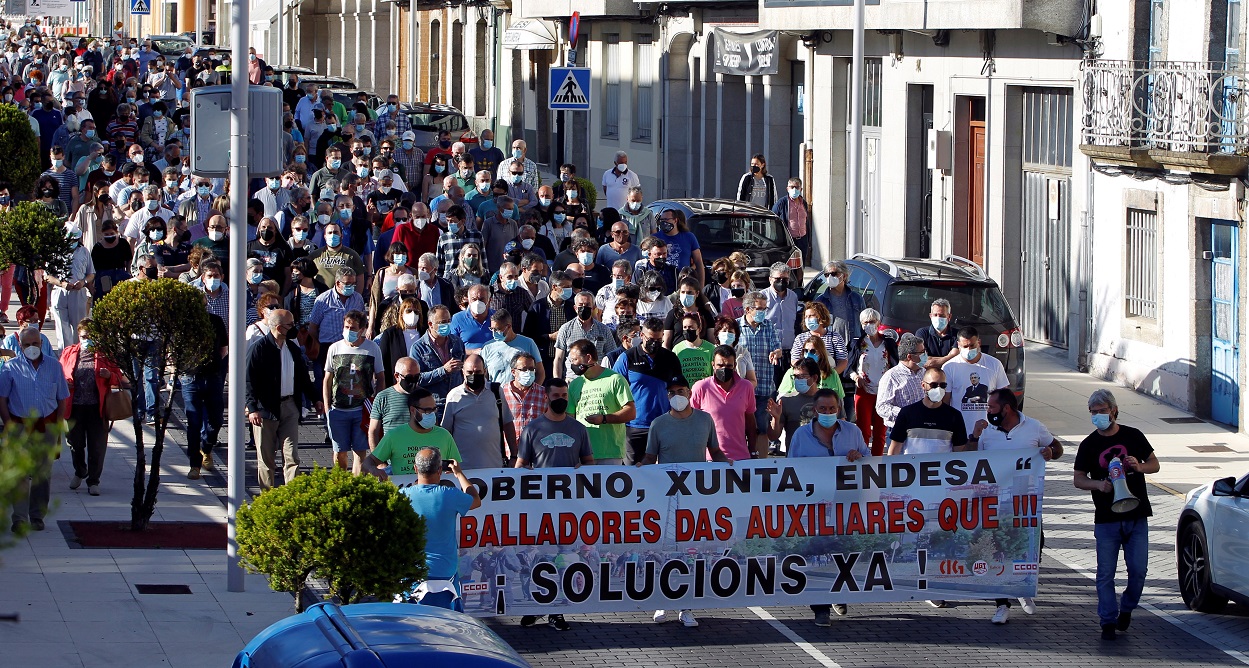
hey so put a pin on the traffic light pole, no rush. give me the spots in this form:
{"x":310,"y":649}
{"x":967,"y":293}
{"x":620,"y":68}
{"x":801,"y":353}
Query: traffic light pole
{"x":236,"y":467}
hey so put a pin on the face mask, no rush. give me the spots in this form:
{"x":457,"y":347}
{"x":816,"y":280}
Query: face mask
{"x":332,"y":128}
{"x":923,"y":359}
{"x":679,"y":402}
{"x":351,"y":335}
{"x":812,"y":324}
{"x":110,"y":238}
{"x":204,"y":191}
{"x":516,"y":178}
{"x":691,"y":335}
{"x":438,"y":169}
{"x":301,"y":158}
{"x":622,"y":168}
{"x":724,"y":375}
{"x":407,"y":145}
{"x":585,"y":258}
{"x":584,"y":312}
{"x":333,"y":240}
{"x":444,"y":329}
{"x":970,"y":353}
{"x":211,"y":284}
{"x":995,"y":419}
{"x":216,"y":235}
{"x":409,"y":319}
{"x":737,"y":292}
{"x":802,"y":385}
{"x":334,"y":163}
{"x":454,"y":228}
{"x":477,"y":307}
{"x":526,"y":379}
{"x":833,"y":281}
{"x":517,"y":154}
{"x":32,"y":353}
{"x":780,"y":285}
{"x":400,"y":260}
{"x":323,"y":218}
{"x":545,"y":201}
{"x":444,"y":143}
{"x":795,"y":193}
{"x":509,"y":285}
{"x":274,"y":184}
{"x":559,"y":217}
{"x":57,"y":162}
{"x":727,"y":338}
{"x":156,"y":235}
{"x":759,"y":316}
{"x":153,"y":205}
{"x":349,"y":290}
{"x":255,"y":279}
{"x":939,"y":323}
{"x":475,"y":381}
{"x":1100,"y":420}
{"x":526,"y":243}
{"x":158,"y":113}
{"x":936,"y":394}
{"x":827,"y":420}
{"x":498,"y":336}
{"x":571,"y":195}
{"x":427,"y":420}
{"x":90,"y":134}
{"x":566,"y":294}
{"x":635,"y":206}
{"x":579,"y":369}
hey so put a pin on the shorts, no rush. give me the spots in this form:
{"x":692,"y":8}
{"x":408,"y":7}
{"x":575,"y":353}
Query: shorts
{"x":345,"y":432}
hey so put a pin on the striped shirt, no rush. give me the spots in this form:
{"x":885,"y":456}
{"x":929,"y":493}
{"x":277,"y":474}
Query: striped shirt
{"x":328,"y":313}
{"x":898,"y":387}
{"x":526,"y":406}
{"x":761,"y":341}
{"x":67,"y":180}
{"x":450,"y":245}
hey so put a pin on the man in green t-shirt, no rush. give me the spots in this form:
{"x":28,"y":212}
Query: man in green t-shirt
{"x":601,"y":400}
{"x":390,"y":406}
{"x":400,"y":445}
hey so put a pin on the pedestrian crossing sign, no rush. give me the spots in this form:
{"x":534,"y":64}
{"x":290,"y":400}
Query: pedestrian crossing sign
{"x":138,"y":7}
{"x":570,"y":89}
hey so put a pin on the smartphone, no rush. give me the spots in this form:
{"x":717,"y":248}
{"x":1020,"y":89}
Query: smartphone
{"x":446,"y":465}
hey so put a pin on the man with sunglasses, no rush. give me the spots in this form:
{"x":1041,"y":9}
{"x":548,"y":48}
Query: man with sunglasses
{"x":930,"y":424}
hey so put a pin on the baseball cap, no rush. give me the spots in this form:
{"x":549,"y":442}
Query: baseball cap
{"x":409,"y":135}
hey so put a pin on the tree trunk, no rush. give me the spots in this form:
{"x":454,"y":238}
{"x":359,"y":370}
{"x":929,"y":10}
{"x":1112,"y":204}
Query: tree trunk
{"x":138,"y":521}
{"x":153,"y":481}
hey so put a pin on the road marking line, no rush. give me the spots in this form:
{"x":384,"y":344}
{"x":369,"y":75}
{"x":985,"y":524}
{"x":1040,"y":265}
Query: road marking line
{"x":796,"y":639}
{"x":1170,"y":618}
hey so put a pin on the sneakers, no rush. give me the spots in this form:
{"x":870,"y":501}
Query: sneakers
{"x":1108,"y":632}
{"x":687,"y":619}
{"x":1002,"y":615}
{"x":208,"y":461}
{"x":557,"y":622}
{"x":1028,"y":604}
{"x":1125,"y":620}
{"x":840,"y":609}
{"x":822,"y":618}
{"x":661,"y":616}
{"x":75,"y":483}
{"x":93,"y":490}
{"x":528,"y":620}
{"x":937,"y":604}
{"x":19,"y":527}
{"x":36,"y":523}
{"x":193,"y":474}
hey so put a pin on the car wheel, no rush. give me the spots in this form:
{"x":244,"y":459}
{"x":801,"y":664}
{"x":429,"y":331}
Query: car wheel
{"x":1193,"y":566}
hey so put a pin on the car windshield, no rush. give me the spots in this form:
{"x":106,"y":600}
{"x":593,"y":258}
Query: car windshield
{"x":736,"y":232}
{"x":171,"y":45}
{"x":970,"y":303}
{"x":434,"y":121}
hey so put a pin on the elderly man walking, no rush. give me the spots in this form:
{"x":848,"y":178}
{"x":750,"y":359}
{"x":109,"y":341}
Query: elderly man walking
{"x":273,"y":403}
{"x":34,"y":392}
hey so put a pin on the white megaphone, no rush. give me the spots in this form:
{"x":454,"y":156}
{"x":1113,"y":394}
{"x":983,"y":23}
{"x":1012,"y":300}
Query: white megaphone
{"x":1124,"y":501}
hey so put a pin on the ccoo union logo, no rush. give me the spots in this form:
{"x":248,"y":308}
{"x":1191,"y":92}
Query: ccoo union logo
{"x":1025,"y":567}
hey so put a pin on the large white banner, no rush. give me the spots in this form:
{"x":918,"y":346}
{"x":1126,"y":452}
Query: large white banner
{"x":49,"y":8}
{"x":769,"y":532}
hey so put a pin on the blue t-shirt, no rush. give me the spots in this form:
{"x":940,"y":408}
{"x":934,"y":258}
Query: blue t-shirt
{"x":499,"y":355}
{"x":648,"y":379}
{"x":440,"y":506}
{"x":681,"y":247}
{"x":474,"y":334}
{"x":846,"y":438}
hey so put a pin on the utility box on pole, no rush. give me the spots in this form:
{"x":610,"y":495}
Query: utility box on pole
{"x":210,"y":131}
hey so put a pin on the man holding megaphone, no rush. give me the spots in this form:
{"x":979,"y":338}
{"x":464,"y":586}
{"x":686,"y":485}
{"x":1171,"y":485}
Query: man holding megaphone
{"x":1111,"y":463}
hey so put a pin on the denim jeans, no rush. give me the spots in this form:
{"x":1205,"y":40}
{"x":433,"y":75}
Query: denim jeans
{"x":203,"y":398}
{"x":149,"y":389}
{"x":1133,"y":537}
{"x":345,"y":432}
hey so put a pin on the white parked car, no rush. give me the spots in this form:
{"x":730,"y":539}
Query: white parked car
{"x":1212,"y":545}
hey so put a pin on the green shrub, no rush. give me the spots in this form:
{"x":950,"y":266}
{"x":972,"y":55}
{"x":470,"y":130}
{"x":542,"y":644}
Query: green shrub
{"x":20,"y":148}
{"x":174,"y":316}
{"x":356,"y":532}
{"x":32,"y":236}
{"x":588,"y":193}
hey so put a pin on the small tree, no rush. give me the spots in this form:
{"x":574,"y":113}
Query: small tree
{"x":172,"y":316}
{"x":20,"y":148}
{"x":356,"y":532}
{"x":21,"y":451}
{"x":31,"y":236}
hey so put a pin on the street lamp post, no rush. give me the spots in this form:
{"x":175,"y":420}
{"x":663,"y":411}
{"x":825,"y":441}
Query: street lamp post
{"x":854,"y":181}
{"x":237,"y":489}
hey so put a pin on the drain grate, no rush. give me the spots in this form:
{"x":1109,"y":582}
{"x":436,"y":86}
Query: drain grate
{"x":1183,"y":420}
{"x":1210,"y":448}
{"x":163,"y":589}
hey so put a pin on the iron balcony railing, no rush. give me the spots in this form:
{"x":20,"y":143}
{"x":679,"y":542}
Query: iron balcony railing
{"x":1185,"y":107}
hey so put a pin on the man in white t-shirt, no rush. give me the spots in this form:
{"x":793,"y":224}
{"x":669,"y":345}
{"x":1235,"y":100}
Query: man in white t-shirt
{"x":972,"y":375}
{"x":617,"y":181}
{"x":353,"y":373}
{"x":1005,"y":428}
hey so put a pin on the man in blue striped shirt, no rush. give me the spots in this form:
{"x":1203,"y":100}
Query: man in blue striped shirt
{"x":763,"y":341}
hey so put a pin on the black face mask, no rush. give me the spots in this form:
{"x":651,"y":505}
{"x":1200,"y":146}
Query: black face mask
{"x":691,"y":335}
{"x":409,"y":383}
{"x":719,"y":276}
{"x":578,"y":283}
{"x":559,"y":406}
{"x":737,"y":292}
{"x":995,"y":419}
{"x":150,"y":272}
{"x":475,"y":381}
{"x":579,"y":369}
{"x":267,"y":235}
{"x":185,"y":237}
{"x":584,"y":312}
{"x":660,"y":264}
{"x":724,"y":375}
{"x":754,"y":169}
{"x":780,"y":285}
{"x":650,"y":346}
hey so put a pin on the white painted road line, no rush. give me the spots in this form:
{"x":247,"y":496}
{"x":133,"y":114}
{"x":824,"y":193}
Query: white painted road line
{"x":796,"y":639}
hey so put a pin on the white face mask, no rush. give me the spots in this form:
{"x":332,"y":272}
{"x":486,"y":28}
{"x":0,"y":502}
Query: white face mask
{"x":409,"y":319}
{"x":32,"y":353}
{"x":477,"y":307}
{"x":216,"y":235}
{"x":679,"y":403}
{"x":936,"y":394}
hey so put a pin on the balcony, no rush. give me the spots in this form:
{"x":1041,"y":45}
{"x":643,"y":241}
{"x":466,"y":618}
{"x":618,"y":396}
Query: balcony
{"x":1184,"y":116}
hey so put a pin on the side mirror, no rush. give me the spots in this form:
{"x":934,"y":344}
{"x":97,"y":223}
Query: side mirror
{"x":1224,"y":487}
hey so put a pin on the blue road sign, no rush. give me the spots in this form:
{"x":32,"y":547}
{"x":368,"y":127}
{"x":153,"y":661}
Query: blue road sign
{"x":570,"y":89}
{"x":138,"y":7}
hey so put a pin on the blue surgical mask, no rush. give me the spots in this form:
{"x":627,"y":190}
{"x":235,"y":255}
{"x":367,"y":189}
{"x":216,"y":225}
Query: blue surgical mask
{"x":760,"y":316}
{"x":204,"y":191}
{"x":407,"y":145}
{"x":970,"y":354}
{"x":812,"y":324}
{"x":444,"y":329}
{"x":333,"y":240}
{"x":812,"y":355}
{"x":939,"y":323}
{"x":826,"y":419}
{"x":923,"y":359}
{"x":453,"y":228}
{"x":566,"y":293}
{"x":497,"y":336}
{"x":349,"y":290}
{"x":345,"y":214}
{"x":400,"y":260}
{"x":559,"y":217}
{"x":517,"y":154}
{"x":1101,"y":421}
{"x":301,"y":158}
{"x":802,"y":385}
{"x":428,"y":420}
{"x":687,"y":300}
{"x":255,"y":279}
{"x":351,"y":335}
{"x":509,"y":285}
{"x":487,"y":144}
{"x":618,"y":283}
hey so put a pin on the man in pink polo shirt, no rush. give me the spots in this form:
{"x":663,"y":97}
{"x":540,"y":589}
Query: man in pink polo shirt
{"x":730,"y":399}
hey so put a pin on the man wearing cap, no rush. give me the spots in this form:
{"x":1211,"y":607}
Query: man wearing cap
{"x":390,"y":112}
{"x":384,"y":196}
{"x":409,"y":157}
